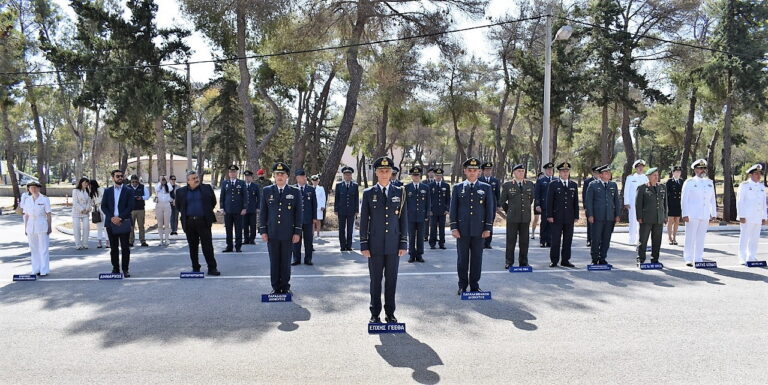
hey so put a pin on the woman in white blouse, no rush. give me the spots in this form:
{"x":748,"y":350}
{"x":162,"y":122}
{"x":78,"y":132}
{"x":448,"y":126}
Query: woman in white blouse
{"x":321,"y":201}
{"x":163,"y":209}
{"x":37,"y":227}
{"x":97,"y":194}
{"x":81,"y":213}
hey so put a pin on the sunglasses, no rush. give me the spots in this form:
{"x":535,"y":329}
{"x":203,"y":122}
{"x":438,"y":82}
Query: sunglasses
{"x":118,"y":176}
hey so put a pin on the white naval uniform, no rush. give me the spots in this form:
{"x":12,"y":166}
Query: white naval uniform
{"x":630,"y":193}
{"x":321,"y":200}
{"x":36,"y":210}
{"x":750,"y":205}
{"x":698,"y":204}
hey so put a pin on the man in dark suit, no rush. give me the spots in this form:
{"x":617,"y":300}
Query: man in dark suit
{"x":195,"y":203}
{"x":562,"y":213}
{"x":473,"y":209}
{"x":280,"y":215}
{"x":117,"y":204}
{"x":308,"y":216}
{"x":417,"y":195}
{"x":540,"y":193}
{"x":383,"y":237}
{"x":253,"y":192}
{"x":346,"y":206}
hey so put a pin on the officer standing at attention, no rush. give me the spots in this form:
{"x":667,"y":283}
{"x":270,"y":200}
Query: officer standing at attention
{"x":346,"y":205}
{"x":383,"y":239}
{"x":395,"y":178}
{"x":595,"y":176}
{"x":473,"y":209}
{"x":232,"y":201}
{"x":253,"y":191}
{"x":427,"y":223}
{"x":630,"y":192}
{"x":280,"y":215}
{"x":540,"y":195}
{"x":418,"y":204}
{"x":487,"y":168}
{"x":602,"y":206}
{"x":674,"y":194}
{"x":698,"y":208}
{"x":309,"y":214}
{"x":440,"y":201}
{"x":562,"y":213}
{"x":751,"y":209}
{"x":516,"y":201}
{"x":651,"y":208}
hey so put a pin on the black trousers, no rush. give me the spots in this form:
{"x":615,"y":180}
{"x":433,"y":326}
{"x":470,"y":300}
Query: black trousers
{"x":280,"y":263}
{"x":198,"y":232}
{"x":654,"y":230}
{"x":487,"y":241}
{"x":515,"y":230}
{"x":346,"y":226}
{"x":470,"y":261}
{"x":306,"y":238}
{"x":558,"y":230}
{"x":416,"y":231}
{"x":121,"y":240}
{"x":545,"y":232}
{"x":437,"y":230}
{"x":601,"y":239}
{"x":427,"y":223}
{"x":383,"y":266}
{"x":589,"y":232}
{"x":250,"y":229}
{"x":236,"y":221}
{"x":174,"y":219}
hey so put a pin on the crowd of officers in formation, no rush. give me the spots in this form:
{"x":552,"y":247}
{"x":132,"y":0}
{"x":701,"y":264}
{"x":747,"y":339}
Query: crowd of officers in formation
{"x":396,"y":220}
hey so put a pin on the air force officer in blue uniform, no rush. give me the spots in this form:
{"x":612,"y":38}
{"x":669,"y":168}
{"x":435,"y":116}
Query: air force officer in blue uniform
{"x":417,"y":194}
{"x":234,"y":202}
{"x":473,"y":208}
{"x":440,"y":201}
{"x":540,"y":205}
{"x":309,"y":214}
{"x":346,"y":206}
{"x":383,"y":237}
{"x":562,"y":213}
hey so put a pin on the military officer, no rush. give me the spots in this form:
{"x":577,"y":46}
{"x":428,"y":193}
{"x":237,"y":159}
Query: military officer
{"x":516,"y":201}
{"x":346,"y":206}
{"x":651,"y":209}
{"x":540,"y":196}
{"x":630,"y":192}
{"x":698,"y":208}
{"x":418,"y":204}
{"x":472,"y":211}
{"x":487,"y":169}
{"x":253,"y":191}
{"x":674,"y":211}
{"x":595,"y":176}
{"x":383,"y":237}
{"x":233,"y":202}
{"x":440,"y":201}
{"x":308,"y":216}
{"x":280,"y":215}
{"x":395,"y":178}
{"x":751,"y":209}
{"x":562,"y":213}
{"x":602,"y":206}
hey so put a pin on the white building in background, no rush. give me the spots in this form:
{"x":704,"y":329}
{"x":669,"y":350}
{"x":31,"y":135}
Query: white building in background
{"x":178,"y":167}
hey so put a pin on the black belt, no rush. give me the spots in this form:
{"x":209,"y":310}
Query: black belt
{"x":194,"y":218}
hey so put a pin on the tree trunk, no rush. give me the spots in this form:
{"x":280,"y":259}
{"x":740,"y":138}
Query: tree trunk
{"x":95,"y":148}
{"x":11,"y":141}
{"x":364,"y":10}
{"x":160,"y":146}
{"x":251,"y":153}
{"x":729,"y":203}
{"x":629,"y":149}
{"x":605,"y":135}
{"x":278,"y":116}
{"x":685,"y":157}
{"x":381,"y":132}
{"x":711,"y":155}
{"x":41,"y":159}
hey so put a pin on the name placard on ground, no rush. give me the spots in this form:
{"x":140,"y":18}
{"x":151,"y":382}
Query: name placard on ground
{"x":475,"y":295}
{"x":110,"y":276}
{"x":756,"y":264}
{"x":276,"y":297}
{"x":191,"y":274}
{"x":599,"y":267}
{"x":706,"y":265}
{"x":651,"y":266}
{"x":521,"y":269}
{"x":382,"y":328}
{"x":24,"y":277}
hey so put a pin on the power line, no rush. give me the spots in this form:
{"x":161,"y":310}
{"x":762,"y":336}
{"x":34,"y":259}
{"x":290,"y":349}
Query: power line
{"x":277,"y":54}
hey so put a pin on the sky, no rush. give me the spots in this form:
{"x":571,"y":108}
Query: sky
{"x":170,"y":15}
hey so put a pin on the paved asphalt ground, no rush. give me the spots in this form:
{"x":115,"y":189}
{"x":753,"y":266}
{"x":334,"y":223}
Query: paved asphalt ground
{"x":679,"y":325}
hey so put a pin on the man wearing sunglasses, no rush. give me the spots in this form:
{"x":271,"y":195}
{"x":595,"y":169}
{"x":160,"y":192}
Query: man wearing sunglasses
{"x":117,"y":204}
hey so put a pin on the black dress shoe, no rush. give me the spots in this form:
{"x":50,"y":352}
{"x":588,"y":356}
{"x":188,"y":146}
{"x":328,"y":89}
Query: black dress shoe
{"x":126,"y":274}
{"x":595,"y":261}
{"x":195,"y":270}
{"x":552,"y":264}
{"x":174,"y":233}
{"x":442,"y":247}
{"x":308,"y":263}
{"x":115,"y":271}
{"x":144,"y":244}
{"x":639,"y":261}
{"x":274,"y":292}
{"x":506,"y":267}
{"x":654,"y":261}
{"x":419,"y":259}
{"x":542,"y":245}
{"x":294,"y":263}
{"x":567,"y":264}
{"x":227,"y":250}
{"x":214,"y":272}
{"x":461,"y":291}
{"x":411,"y":260}
{"x":477,"y":289}
{"x":432,"y":247}
{"x":602,"y":262}
{"x":390,"y":319}
{"x":374,"y":320}
{"x":689,"y":264}
{"x":589,"y":243}
{"x":524,"y":265}
{"x":238,"y":250}
{"x":487,"y":247}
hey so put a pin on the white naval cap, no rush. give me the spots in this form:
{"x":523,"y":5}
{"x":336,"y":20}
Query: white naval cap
{"x":756,"y":167}
{"x":699,"y":163}
{"x":637,"y":162}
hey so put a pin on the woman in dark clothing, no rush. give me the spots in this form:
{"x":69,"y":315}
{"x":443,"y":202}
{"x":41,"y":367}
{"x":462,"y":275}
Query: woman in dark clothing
{"x":674,"y":193}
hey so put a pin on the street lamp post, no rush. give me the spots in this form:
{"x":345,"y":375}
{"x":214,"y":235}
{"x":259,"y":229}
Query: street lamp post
{"x":562,"y":34}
